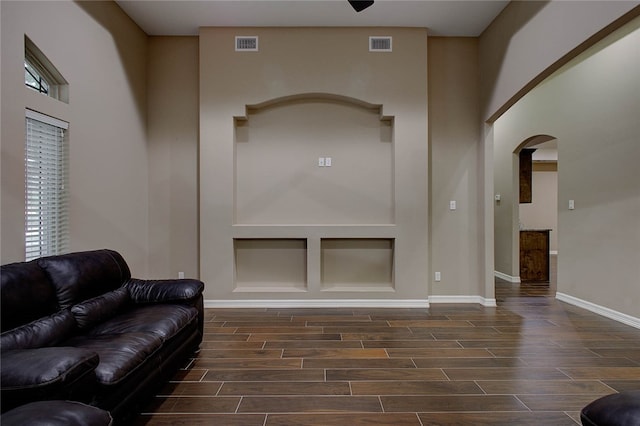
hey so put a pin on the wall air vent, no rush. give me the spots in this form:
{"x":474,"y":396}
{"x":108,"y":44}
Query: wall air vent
{"x":379,"y":44}
{"x":246,"y":43}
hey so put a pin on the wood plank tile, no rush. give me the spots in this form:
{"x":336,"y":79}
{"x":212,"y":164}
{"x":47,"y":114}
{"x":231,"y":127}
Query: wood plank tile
{"x":212,"y":363}
{"x":463,"y":403}
{"x":312,"y":344}
{"x":440,"y":344}
{"x":235,"y":345}
{"x":268,"y":329}
{"x":521,"y":418}
{"x":558,"y":402}
{"x":469,"y":363}
{"x":623,"y":385}
{"x":439,"y":353}
{"x":237,"y":354}
{"x":559,"y":361}
{"x":392,"y":374}
{"x":544,"y":387}
{"x":305,"y":404}
{"x":191,"y":389}
{"x":390,"y":334}
{"x":408,"y":387}
{"x":359,"y":419}
{"x":508,"y":373}
{"x":285,"y":388}
{"x":335,"y":353}
{"x":198,"y":404}
{"x":304,"y":375}
{"x":270,"y":337}
{"x":201,"y":420}
{"x":430,"y":323}
{"x":358,"y":363}
{"x":603,"y":373}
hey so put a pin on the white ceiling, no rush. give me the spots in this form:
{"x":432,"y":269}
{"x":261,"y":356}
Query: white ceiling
{"x":465,"y":18}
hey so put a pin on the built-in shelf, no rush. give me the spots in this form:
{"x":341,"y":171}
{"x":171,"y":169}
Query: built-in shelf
{"x":270,"y":265}
{"x":357,"y":264}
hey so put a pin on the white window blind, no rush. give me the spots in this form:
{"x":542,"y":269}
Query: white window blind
{"x":46,"y":194}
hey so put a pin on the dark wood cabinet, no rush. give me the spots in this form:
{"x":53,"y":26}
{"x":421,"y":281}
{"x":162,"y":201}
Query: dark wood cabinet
{"x":526,"y":175}
{"x":534,"y":256}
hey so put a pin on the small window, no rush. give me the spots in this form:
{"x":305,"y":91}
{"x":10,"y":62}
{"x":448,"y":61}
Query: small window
{"x":34,"y":80}
{"x":40,"y":74}
{"x":46,"y":189}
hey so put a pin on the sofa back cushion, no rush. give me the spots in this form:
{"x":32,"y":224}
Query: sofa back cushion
{"x":46,"y":331}
{"x":77,"y":277}
{"x":100,"y":308}
{"x":26,"y":294}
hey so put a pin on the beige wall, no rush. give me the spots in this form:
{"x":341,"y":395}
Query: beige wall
{"x":591,"y":107}
{"x":102,"y":54}
{"x":328,"y":61}
{"x":172,"y":99}
{"x":454,"y":134}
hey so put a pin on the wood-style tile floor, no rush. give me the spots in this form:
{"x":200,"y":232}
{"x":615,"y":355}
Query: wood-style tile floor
{"x":532,"y":360}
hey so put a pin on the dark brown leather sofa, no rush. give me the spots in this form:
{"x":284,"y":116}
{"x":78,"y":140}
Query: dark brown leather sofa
{"x":78,"y":327}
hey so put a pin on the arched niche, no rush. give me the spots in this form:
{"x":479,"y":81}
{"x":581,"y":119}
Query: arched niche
{"x":279,"y":148}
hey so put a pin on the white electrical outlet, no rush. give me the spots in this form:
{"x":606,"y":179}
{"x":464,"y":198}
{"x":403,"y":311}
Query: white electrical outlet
{"x":180,"y":275}
{"x":572,"y":204}
{"x":438,"y":276}
{"x":321,"y":162}
{"x":327,"y":161}
{"x":452,"y":205}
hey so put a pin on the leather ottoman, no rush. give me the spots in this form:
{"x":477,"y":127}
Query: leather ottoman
{"x":618,"y":409}
{"x":56,"y":413}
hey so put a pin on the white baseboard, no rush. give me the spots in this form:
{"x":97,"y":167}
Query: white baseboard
{"x":348,"y":303}
{"x":463,"y":299}
{"x":600,"y":310}
{"x":509,"y":278}
{"x":320,"y":303}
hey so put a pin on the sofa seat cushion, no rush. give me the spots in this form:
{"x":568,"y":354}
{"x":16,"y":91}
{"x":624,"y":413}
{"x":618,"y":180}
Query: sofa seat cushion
{"x":618,"y":409}
{"x":29,"y":369}
{"x":120,"y":354}
{"x":161,"y":320}
{"x":56,"y":413}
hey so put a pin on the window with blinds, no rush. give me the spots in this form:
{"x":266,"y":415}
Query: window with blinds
{"x":46,"y":192}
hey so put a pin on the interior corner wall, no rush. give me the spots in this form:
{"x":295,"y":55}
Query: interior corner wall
{"x":172,"y":100}
{"x":294,"y":62}
{"x":454,"y":150}
{"x":102,"y":54}
{"x":591,"y":106}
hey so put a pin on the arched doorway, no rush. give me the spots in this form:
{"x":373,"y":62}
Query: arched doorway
{"x":531,"y":219}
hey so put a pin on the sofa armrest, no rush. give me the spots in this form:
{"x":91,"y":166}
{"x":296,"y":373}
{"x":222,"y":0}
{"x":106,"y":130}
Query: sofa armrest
{"x":164,"y":291}
{"x":45,"y":373}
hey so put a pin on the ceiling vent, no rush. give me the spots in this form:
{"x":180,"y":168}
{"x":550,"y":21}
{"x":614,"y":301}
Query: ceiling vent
{"x":246,"y":43}
{"x":379,"y":44}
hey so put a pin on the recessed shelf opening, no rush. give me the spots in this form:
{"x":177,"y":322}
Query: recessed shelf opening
{"x":357,"y":264}
{"x":270,"y":265}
